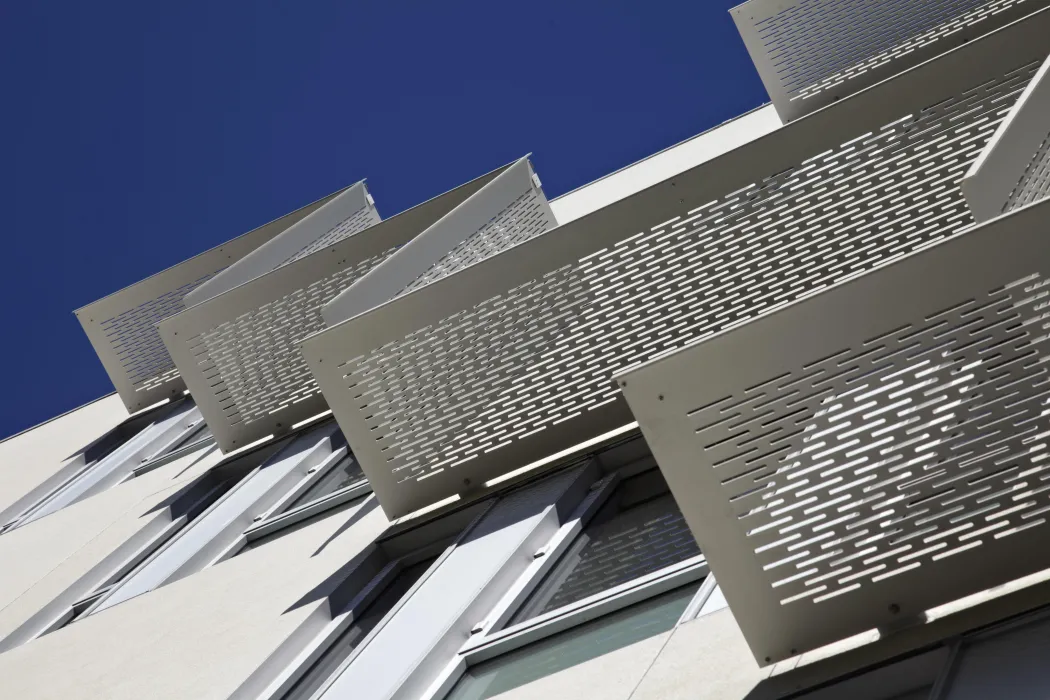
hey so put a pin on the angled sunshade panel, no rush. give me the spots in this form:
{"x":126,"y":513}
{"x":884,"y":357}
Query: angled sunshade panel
{"x":239,"y":351}
{"x":351,"y":211}
{"x":511,"y":359}
{"x":871,"y":452}
{"x":508,"y":210}
{"x":1014,"y":168}
{"x":810,"y":53}
{"x":122,"y":326}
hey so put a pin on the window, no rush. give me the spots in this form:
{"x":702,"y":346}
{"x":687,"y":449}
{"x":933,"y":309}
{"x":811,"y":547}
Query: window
{"x":336,"y":481}
{"x":621,"y":567}
{"x":184,"y":509}
{"x":365,"y":597}
{"x":637,"y":531}
{"x":81,"y":598}
{"x":140,"y":440}
{"x":344,"y":472}
{"x":244,"y":484}
{"x":575,"y":646}
{"x":196,"y":436}
{"x":339,"y":651}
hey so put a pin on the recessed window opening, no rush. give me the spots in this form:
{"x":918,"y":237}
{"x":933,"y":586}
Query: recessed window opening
{"x":637,"y":531}
{"x":622,"y":567}
{"x":344,"y":472}
{"x":386,"y":575}
{"x":337,"y":481}
{"x":183,"y":509}
{"x":219,"y":505}
{"x":343,"y":646}
{"x":106,"y":461}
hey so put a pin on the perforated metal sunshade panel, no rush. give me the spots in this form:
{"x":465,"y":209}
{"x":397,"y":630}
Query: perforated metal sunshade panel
{"x":810,"y":53}
{"x":239,"y":352}
{"x":1014,"y":168}
{"x":510,"y":360}
{"x":122,"y":326}
{"x":508,"y":210}
{"x":873,"y":451}
{"x":349,"y":212}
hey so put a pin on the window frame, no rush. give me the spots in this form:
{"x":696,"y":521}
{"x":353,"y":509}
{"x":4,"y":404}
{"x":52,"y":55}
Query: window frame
{"x":400,"y":546}
{"x":494,"y":637}
{"x":241,"y":464}
{"x":179,"y":452}
{"x":85,"y":604}
{"x":280,"y":516}
{"x":165,"y":425}
{"x":79,"y":598}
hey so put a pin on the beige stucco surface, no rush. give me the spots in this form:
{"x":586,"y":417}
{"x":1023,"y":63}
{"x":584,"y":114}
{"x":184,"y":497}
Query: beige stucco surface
{"x":29,"y":459}
{"x":199,"y":637}
{"x":704,"y":659}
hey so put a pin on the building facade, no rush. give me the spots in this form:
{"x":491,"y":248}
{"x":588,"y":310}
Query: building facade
{"x":762,"y":416}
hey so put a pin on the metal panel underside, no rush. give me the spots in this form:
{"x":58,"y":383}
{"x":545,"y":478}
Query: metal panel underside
{"x":810,"y":53}
{"x":510,"y":360}
{"x":239,"y":352}
{"x":508,"y":210}
{"x":873,"y":451}
{"x":1014,"y":168}
{"x":122,"y":326}
{"x":350,"y":211}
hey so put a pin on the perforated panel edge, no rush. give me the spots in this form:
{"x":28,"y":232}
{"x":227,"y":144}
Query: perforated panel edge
{"x":349,"y":212}
{"x":511,"y":203}
{"x":122,"y":326}
{"x":331,"y":354}
{"x":879,"y":403}
{"x":239,"y":352}
{"x":831,"y":49}
{"x":1011,"y":162}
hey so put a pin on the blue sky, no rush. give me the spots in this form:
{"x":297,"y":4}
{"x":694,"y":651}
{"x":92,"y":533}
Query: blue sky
{"x":137,"y":134}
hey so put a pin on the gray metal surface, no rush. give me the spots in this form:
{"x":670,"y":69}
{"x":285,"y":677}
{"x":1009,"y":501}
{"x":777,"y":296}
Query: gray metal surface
{"x":508,"y":210}
{"x":350,"y":211}
{"x":510,"y":360}
{"x":872,"y":451}
{"x":1014,"y":168}
{"x":810,"y":53}
{"x":239,"y":352}
{"x":122,"y":326}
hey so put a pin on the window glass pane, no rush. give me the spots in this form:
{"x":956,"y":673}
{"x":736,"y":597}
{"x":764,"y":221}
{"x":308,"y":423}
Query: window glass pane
{"x":638,"y":531}
{"x":341,"y":648}
{"x":575,"y":646}
{"x":347,"y":471}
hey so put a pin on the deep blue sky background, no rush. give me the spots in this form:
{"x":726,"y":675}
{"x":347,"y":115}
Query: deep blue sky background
{"x":137,"y":134}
